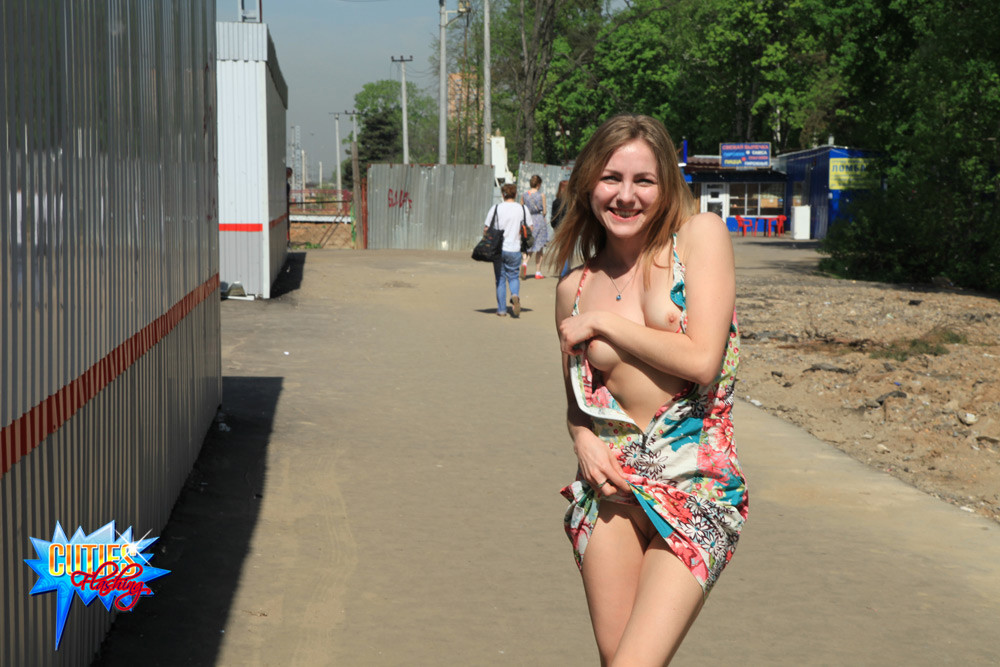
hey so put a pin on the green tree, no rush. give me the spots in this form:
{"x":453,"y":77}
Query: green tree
{"x":529,"y":35}
{"x":935,"y":114}
{"x":722,"y":70}
{"x":379,"y":106}
{"x":622,"y":68}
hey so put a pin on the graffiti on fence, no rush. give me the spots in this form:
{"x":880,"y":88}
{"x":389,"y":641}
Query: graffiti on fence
{"x":400,"y":198}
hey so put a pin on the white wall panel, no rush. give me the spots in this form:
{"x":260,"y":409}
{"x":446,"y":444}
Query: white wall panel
{"x":252,"y":103}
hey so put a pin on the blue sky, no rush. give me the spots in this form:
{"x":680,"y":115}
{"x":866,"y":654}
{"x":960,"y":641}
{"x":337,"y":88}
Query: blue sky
{"x":328,"y":50}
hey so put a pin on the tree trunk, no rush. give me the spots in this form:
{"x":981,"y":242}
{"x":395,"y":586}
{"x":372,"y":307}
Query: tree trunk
{"x":536,"y":55}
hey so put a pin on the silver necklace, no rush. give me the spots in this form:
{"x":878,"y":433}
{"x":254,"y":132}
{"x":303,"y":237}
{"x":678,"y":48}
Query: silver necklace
{"x":619,"y":297}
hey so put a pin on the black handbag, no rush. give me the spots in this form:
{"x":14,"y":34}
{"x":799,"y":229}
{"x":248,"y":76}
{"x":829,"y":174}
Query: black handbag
{"x":527,"y":235}
{"x":490,"y":247}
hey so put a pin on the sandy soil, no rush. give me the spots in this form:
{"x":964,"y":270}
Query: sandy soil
{"x":303,"y":235}
{"x":839,"y":358}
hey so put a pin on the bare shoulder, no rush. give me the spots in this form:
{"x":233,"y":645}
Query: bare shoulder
{"x":701,"y":232}
{"x":701,"y":224}
{"x":567,"y":284}
{"x":566,"y":293}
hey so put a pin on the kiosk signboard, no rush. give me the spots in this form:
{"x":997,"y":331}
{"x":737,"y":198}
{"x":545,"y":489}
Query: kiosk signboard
{"x":746,"y":155}
{"x":851,"y":173}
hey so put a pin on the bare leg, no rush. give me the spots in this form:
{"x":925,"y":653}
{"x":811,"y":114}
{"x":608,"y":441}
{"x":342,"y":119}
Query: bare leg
{"x":538,"y":262}
{"x":611,"y":569}
{"x":667,"y":601}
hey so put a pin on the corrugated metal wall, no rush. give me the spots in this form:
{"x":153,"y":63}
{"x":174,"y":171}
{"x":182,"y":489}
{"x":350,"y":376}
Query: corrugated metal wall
{"x":277,"y":193}
{"x":439,"y":207}
{"x":110,"y":369}
{"x":252,"y":99}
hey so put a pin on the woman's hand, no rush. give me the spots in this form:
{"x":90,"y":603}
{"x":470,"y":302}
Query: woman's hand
{"x":575,"y":331}
{"x":598,"y":464}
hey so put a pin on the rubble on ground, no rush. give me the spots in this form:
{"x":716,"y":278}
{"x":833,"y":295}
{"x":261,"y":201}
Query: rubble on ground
{"x":902,"y":378}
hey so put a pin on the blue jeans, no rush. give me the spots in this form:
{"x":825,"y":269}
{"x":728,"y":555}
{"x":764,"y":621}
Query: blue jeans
{"x":505,"y":270}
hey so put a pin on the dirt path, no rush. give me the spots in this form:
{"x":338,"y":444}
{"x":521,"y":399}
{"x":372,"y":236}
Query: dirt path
{"x":385,"y":492}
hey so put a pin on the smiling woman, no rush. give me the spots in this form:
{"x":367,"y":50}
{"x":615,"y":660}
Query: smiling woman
{"x":649,"y":368}
{"x":627,"y":189}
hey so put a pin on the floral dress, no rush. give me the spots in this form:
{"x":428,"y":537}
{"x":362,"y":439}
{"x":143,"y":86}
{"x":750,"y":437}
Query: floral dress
{"x":533,"y":200}
{"x":682,"y":468}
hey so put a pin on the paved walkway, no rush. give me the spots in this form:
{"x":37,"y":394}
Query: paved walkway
{"x":385,"y":492}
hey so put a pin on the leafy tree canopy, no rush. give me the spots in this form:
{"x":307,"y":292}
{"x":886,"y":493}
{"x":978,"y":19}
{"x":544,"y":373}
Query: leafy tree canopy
{"x":915,"y":81}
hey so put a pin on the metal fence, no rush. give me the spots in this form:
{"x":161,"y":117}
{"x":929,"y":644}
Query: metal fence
{"x":110,"y":369}
{"x":439,"y":207}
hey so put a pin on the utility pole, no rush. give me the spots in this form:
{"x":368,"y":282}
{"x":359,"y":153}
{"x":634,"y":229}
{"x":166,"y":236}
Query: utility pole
{"x":295,"y":161}
{"x":355,"y":180}
{"x":305,"y":174}
{"x":443,"y":92}
{"x":354,"y":152}
{"x":406,"y":135}
{"x":487,"y":111}
{"x":463,"y":8}
{"x":336,"y":124}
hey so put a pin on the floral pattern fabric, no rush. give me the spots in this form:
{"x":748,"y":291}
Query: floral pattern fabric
{"x":682,"y":468}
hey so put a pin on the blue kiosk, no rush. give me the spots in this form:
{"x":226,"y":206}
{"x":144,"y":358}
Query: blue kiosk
{"x":824,"y":179}
{"x":740,"y":181}
{"x":809,"y":187}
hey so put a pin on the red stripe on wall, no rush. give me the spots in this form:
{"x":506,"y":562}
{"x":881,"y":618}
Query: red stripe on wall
{"x":241,"y":227}
{"x":251,"y":226}
{"x":22,"y":435}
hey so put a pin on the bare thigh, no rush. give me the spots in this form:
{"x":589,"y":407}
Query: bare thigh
{"x":642,"y":598}
{"x":612,"y":564}
{"x":667,"y":601}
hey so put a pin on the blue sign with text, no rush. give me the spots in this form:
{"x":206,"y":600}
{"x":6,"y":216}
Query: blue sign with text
{"x":755,"y":155}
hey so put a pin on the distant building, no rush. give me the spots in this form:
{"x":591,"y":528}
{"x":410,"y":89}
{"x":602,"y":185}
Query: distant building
{"x":253,"y":212}
{"x":729,"y":191}
{"x":824,"y":179}
{"x":498,"y":151}
{"x":465,"y":103}
{"x":810,"y":186}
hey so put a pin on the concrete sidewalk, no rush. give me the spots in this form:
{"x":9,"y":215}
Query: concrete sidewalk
{"x":386,"y":492}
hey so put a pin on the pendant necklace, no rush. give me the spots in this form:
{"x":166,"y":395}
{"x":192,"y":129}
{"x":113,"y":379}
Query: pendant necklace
{"x":619,"y":297}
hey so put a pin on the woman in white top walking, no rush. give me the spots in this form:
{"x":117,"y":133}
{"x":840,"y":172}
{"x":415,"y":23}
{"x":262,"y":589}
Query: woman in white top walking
{"x":509,"y":214}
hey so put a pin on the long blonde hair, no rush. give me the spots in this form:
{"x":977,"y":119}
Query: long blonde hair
{"x":581,"y":230}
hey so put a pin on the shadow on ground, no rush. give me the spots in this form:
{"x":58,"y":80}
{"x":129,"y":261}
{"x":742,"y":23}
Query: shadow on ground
{"x":493,"y":310}
{"x":290,"y":277}
{"x":206,"y":539}
{"x":788,"y":244}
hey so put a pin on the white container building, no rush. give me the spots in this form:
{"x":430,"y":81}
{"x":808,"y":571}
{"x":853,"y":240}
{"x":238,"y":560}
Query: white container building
{"x":253,"y":209}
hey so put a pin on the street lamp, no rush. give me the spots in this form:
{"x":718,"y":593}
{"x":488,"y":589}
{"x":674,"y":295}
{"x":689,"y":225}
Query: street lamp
{"x":487,"y":109}
{"x":337,"y":147}
{"x":463,"y":8}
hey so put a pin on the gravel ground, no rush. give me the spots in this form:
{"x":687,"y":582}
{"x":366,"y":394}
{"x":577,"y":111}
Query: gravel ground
{"x":902,"y":378}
